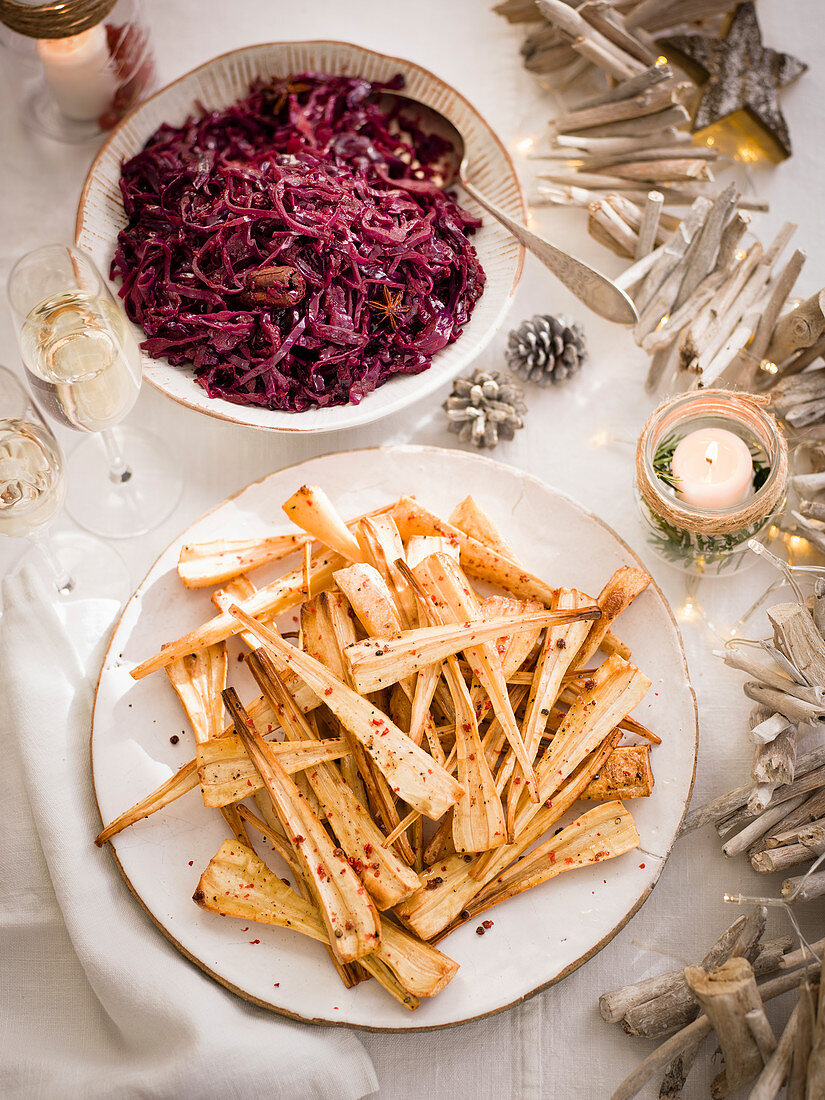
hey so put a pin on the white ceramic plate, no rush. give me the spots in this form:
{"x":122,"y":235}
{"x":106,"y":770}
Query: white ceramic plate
{"x":538,"y":937}
{"x":218,"y":83}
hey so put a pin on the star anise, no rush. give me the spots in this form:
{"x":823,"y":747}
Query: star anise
{"x":390,"y":309}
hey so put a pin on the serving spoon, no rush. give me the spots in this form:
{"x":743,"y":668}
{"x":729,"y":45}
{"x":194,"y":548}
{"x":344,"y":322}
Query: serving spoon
{"x":591,"y":287}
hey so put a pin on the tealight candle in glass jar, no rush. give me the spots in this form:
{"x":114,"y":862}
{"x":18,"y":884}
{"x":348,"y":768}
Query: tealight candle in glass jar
{"x":711,"y":473}
{"x":77,"y":65}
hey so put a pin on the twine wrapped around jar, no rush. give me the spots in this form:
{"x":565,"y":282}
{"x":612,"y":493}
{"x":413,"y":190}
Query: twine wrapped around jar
{"x":752,"y":512}
{"x":57,"y":19}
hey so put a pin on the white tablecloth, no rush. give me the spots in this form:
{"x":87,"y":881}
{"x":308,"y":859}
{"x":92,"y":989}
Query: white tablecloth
{"x":555,"y":1045}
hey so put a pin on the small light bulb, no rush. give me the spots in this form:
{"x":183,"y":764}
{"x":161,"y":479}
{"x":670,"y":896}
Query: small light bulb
{"x":525,"y":145}
{"x":601,"y":439}
{"x":769,"y":367}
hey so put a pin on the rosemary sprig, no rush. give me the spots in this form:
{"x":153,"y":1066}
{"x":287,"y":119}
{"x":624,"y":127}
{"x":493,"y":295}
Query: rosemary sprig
{"x":663,"y":460}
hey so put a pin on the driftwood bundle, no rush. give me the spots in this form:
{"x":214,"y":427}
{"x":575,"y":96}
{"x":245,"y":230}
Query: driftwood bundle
{"x":726,"y":993}
{"x":713,"y":304}
{"x":779,"y":818}
{"x":614,"y":37}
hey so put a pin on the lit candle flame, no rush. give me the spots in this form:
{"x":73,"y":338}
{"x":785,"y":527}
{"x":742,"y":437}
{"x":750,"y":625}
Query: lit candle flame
{"x":712,"y":453}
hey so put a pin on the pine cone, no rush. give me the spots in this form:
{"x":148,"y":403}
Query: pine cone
{"x":485,"y":408}
{"x":546,"y":349}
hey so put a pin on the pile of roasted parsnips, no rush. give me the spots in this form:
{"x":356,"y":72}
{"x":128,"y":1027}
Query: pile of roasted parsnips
{"x":409,"y":696}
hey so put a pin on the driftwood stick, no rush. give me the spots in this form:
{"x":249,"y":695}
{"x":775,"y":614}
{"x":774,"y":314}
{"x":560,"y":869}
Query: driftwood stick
{"x":609,"y":146}
{"x":816,"y":1062}
{"x":660,"y":1058}
{"x":813,"y":509}
{"x":811,"y":809}
{"x":809,"y":484}
{"x":650,"y":223}
{"x":589,"y":42}
{"x":732,"y":234}
{"x":675,"y":1007}
{"x":773,"y":860}
{"x":636,"y":272}
{"x":809,"y":831}
{"x":775,"y":761}
{"x":706,"y":248}
{"x":762,"y":1032}
{"x":802,"y":1042}
{"x":625,"y":89}
{"x":664,"y":334}
{"x":605,"y":216}
{"x":759,"y":826}
{"x":793,"y":708}
{"x":769,"y":729}
{"x":643,"y":126}
{"x":605,"y":18}
{"x":780,"y":289}
{"x":707,"y":333}
{"x":660,"y":361}
{"x":727,"y":994}
{"x":778,"y":1063}
{"x":676,"y":1074}
{"x":798,"y":329}
{"x":672,"y":252}
{"x":647,"y":102}
{"x":800,"y":641}
{"x":803,"y":887}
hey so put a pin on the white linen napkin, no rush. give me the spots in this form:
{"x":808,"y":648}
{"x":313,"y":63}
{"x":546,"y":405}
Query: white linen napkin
{"x":93,"y":1000}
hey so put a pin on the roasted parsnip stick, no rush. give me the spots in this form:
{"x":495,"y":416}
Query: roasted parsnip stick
{"x":616,"y":596}
{"x":271,"y":600}
{"x":422,"y":970}
{"x":442,"y":578}
{"x":380,"y":662}
{"x":387,"y":878}
{"x":477,"y":559}
{"x":412,"y":773}
{"x":469,"y":517}
{"x":311,"y":509}
{"x":204,"y":563}
{"x":348,"y":913}
{"x":198,"y":680}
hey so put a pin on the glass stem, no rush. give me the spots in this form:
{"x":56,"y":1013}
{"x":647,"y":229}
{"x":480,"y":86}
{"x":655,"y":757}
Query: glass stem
{"x":63,"y":581}
{"x":119,"y":471}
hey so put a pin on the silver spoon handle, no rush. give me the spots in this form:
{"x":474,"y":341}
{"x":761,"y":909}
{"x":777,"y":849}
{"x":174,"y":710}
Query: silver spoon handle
{"x":589,"y":286}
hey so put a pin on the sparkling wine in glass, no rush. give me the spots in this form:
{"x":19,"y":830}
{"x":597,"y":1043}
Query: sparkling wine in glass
{"x":82,"y":359}
{"x":32,"y":492}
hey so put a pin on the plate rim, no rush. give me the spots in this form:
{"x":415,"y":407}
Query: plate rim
{"x":379,"y":414}
{"x":407,"y":448}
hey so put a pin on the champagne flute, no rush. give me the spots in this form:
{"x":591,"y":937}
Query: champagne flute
{"x":32,"y":492}
{"x":83,"y":362}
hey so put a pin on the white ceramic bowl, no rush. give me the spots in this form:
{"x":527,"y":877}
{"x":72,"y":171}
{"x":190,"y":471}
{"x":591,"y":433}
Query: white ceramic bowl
{"x":225,"y":79}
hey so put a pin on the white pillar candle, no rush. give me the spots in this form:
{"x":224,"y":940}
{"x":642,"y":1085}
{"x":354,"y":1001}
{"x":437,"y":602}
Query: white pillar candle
{"x":712,"y":468}
{"x":79,"y":72}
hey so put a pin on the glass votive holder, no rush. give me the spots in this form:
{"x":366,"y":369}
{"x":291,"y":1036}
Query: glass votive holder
{"x":76,"y":66}
{"x":700,"y":540}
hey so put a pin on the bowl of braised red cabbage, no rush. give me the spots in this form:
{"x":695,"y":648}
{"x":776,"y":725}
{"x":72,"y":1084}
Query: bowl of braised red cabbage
{"x":284,"y":246}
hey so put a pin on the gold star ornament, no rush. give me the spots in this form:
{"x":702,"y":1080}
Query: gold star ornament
{"x":743,"y":79}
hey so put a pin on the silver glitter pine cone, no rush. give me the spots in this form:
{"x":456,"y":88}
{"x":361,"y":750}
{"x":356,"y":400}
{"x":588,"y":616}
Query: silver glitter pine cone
{"x":485,"y":408}
{"x":546,"y":349}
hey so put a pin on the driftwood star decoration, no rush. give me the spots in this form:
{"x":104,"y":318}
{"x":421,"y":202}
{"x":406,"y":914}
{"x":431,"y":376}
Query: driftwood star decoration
{"x":743,"y":74}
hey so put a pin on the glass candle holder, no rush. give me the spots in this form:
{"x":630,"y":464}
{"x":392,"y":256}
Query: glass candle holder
{"x":77,"y":66}
{"x":701,"y":540}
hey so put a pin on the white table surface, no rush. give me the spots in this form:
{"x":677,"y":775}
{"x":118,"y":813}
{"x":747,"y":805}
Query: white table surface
{"x":556,"y":1045}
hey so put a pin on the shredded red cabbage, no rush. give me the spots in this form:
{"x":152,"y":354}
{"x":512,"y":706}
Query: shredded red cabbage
{"x":293,"y":248}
